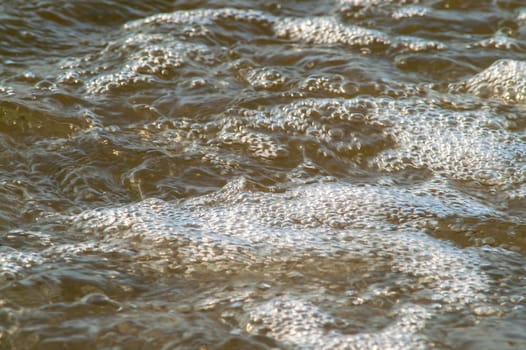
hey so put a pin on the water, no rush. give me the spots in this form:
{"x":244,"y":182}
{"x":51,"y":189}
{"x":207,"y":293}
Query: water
{"x":258,"y":175}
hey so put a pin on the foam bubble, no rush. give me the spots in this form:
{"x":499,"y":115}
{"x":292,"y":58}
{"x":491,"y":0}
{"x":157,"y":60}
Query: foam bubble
{"x":461,"y":145}
{"x":326,"y":207}
{"x":379,"y":226}
{"x":504,"y":79}
{"x":14,"y":262}
{"x":371,"y":3}
{"x":157,"y":49}
{"x":7,"y":90}
{"x":202,"y":17}
{"x":301,"y":324}
{"x":266,"y":78}
{"x":499,"y":41}
{"x":410,"y":11}
{"x":149,"y":60}
{"x":471,"y":145}
{"x":327,"y":30}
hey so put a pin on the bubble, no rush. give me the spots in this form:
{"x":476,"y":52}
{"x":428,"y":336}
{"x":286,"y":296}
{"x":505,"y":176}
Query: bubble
{"x":266,"y":78}
{"x":410,"y":11}
{"x":504,"y":79}
{"x":356,"y":195}
{"x":14,"y":263}
{"x":7,"y":90}
{"x":500,"y":42}
{"x":150,"y":59}
{"x":461,"y":145}
{"x":202,"y":17}
{"x":327,"y":30}
{"x":380,"y":226}
{"x":301,"y":324}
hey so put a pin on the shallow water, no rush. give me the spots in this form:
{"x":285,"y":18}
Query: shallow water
{"x":257,"y":175}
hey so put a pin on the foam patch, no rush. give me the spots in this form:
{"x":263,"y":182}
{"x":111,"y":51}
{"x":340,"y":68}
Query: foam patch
{"x":504,"y":79}
{"x":14,"y":262}
{"x":159,"y":48}
{"x":304,"y":325}
{"x":383,"y":227}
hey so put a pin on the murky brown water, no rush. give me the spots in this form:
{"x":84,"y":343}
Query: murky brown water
{"x":257,"y":175}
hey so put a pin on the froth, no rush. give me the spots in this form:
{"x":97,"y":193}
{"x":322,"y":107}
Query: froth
{"x":327,"y":30}
{"x":205,"y":16}
{"x":14,"y":262}
{"x":379,"y":226}
{"x":157,"y":47}
{"x":461,"y":145}
{"x":302,"y":324}
{"x":471,"y":145}
{"x":504,"y":79}
{"x":150,"y":60}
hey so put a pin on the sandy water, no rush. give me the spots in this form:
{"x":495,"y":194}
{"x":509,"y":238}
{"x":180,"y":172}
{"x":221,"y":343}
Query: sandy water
{"x":262,"y":175}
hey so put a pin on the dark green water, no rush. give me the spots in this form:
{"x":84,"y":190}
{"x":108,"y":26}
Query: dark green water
{"x":258,"y":175}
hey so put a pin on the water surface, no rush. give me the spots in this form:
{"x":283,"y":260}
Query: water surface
{"x":258,"y":175}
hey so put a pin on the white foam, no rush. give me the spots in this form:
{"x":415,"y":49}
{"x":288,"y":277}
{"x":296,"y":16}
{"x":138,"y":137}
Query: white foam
{"x":327,"y":30}
{"x":150,"y":59}
{"x":504,"y":79}
{"x":499,"y":41}
{"x":366,"y":2}
{"x":7,"y":90}
{"x":14,"y":262}
{"x":158,"y":48}
{"x":411,"y":11}
{"x":379,"y":226}
{"x":472,"y":145}
{"x":303,"y":325}
{"x":461,"y":145}
{"x":202,"y":17}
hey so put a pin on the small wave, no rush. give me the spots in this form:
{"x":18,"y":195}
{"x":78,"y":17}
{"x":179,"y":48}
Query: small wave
{"x":156,"y":48}
{"x":504,"y":79}
{"x":303,"y":325}
{"x":238,"y":227}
